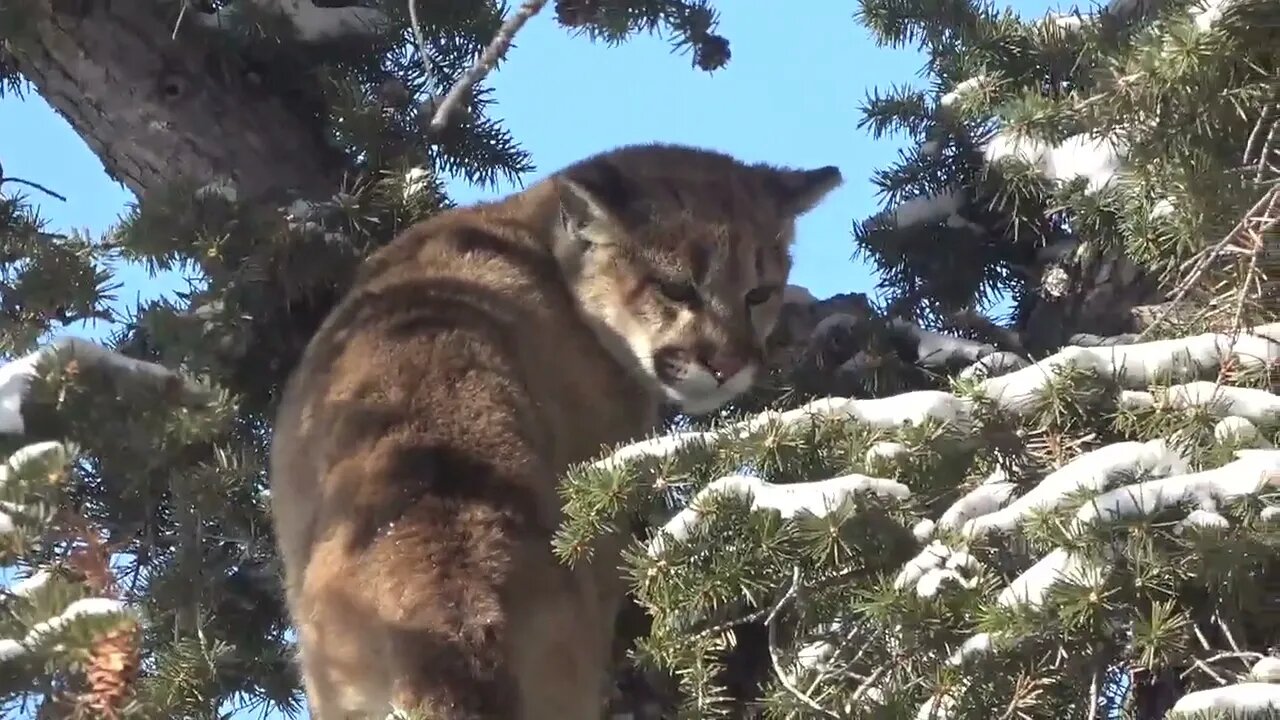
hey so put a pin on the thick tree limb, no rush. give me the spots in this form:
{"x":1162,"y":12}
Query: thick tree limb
{"x":156,"y":110}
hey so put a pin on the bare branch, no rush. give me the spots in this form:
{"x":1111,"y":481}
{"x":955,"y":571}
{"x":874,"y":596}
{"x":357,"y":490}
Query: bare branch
{"x":35,"y":185}
{"x":1259,"y":219}
{"x":28,"y":183}
{"x":771,"y":624}
{"x":1095,"y":689}
{"x":488,"y":59}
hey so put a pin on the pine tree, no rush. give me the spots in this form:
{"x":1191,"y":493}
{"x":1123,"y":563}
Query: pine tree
{"x":1069,"y":512}
{"x":270,"y":146}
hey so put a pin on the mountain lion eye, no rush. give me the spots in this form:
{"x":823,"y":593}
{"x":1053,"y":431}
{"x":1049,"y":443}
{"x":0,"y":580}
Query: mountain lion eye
{"x":760,"y":294}
{"x":681,"y":292}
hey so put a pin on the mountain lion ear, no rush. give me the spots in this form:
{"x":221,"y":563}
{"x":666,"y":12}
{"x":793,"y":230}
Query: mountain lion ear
{"x":592,"y":194}
{"x":580,"y":210}
{"x":589,"y":201}
{"x":799,"y":191}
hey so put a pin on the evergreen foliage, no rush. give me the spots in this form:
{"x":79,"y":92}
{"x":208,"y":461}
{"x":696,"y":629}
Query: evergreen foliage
{"x":979,"y":546}
{"x":1052,"y":150}
{"x":899,"y":549}
{"x":133,"y":506}
{"x":1074,"y":537}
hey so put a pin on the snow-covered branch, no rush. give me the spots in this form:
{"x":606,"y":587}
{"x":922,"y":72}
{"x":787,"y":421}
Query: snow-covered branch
{"x":935,"y":565}
{"x":1136,"y":365}
{"x":17,"y":375}
{"x":1097,"y":159}
{"x":42,"y":633}
{"x":1250,"y":472}
{"x":1152,"y":476}
{"x":1239,"y":700}
{"x":43,"y":455}
{"x":1252,"y":404}
{"x":816,"y":498}
{"x":1090,"y":471}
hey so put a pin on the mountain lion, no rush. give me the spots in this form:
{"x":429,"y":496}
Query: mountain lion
{"x":419,"y":441}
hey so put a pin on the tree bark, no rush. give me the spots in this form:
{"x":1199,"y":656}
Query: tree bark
{"x":157,"y":110}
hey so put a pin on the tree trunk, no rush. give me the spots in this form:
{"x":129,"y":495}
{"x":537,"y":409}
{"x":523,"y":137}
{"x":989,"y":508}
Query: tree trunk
{"x":156,"y":109}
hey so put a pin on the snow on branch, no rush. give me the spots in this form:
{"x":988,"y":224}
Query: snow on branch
{"x":1252,"y":404}
{"x":1032,"y":586}
{"x":1206,"y":13}
{"x":936,"y":565}
{"x":16,"y":376}
{"x":1251,"y":471}
{"x":1090,"y":471}
{"x":1098,"y":159}
{"x":817,"y":498}
{"x":46,"y":454}
{"x":312,"y":23}
{"x":28,"y":586}
{"x":1139,"y":364}
{"x":976,"y":513}
{"x":961,"y":89}
{"x":1158,"y":475}
{"x":1241,"y":700}
{"x":911,"y":408}
{"x":1267,"y":669}
{"x":657,"y":447}
{"x":980,"y":501}
{"x":1239,"y":431}
{"x":927,"y":209}
{"x":41,"y":633}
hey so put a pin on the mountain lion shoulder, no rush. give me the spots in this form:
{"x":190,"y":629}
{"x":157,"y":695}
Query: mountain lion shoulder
{"x":419,"y":442}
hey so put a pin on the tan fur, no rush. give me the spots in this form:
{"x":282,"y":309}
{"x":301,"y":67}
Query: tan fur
{"x":419,"y":442}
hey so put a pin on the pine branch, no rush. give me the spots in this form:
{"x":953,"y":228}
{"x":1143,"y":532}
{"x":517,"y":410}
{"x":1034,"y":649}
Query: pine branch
{"x":718,"y":527}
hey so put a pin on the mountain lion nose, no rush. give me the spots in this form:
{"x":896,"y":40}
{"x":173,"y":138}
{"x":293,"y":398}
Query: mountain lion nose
{"x":725,"y":365}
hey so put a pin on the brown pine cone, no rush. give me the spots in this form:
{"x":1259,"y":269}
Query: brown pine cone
{"x":711,"y":53}
{"x":576,"y":13}
{"x":111,"y":671}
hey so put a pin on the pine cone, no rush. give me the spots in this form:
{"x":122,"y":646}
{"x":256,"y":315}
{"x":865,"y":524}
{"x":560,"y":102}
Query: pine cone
{"x":576,"y":13}
{"x":712,"y":53}
{"x":111,"y":671}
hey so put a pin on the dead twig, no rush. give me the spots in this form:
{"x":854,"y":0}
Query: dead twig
{"x":771,"y":623}
{"x":30,"y":184}
{"x":1260,"y":218}
{"x":418,"y":37}
{"x":1095,"y":690}
{"x":488,"y":59}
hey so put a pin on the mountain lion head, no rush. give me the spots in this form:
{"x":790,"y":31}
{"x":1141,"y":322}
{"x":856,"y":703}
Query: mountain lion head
{"x":678,"y":257}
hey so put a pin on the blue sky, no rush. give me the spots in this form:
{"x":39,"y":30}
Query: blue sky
{"x":790,"y":95}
